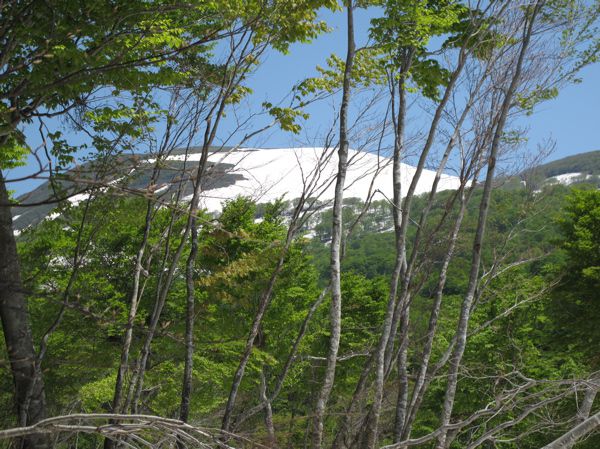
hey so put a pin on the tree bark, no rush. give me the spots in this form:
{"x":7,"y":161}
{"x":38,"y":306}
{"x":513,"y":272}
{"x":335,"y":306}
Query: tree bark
{"x":463,"y":323}
{"x":370,"y":438}
{"x":575,"y":434}
{"x":186,"y":390}
{"x":336,"y":242}
{"x":582,"y":415}
{"x":271,"y":442}
{"x":135,"y":298}
{"x":30,"y":397}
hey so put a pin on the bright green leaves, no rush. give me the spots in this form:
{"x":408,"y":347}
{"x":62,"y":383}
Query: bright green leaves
{"x":238,"y":94}
{"x":367,"y":70}
{"x":581,"y":228}
{"x":405,"y":33}
{"x":122,"y":44}
{"x":69,"y":55}
{"x":61,"y":150}
{"x":330,"y":78}
{"x":289,"y":21}
{"x":414,"y":24}
{"x":12,"y":155}
{"x":286,"y":117}
{"x":527,"y":101}
{"x":428,"y":75}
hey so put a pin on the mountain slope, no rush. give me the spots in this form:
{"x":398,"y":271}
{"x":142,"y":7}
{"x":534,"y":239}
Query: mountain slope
{"x":263,"y":174}
{"x":579,"y":168}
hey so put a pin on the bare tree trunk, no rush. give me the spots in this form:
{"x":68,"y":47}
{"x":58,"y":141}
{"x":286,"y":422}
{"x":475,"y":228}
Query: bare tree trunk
{"x":397,"y":311}
{"x":402,"y":400}
{"x":470,"y":170}
{"x":588,"y":401}
{"x":575,"y":434}
{"x":131,"y":403}
{"x":370,"y":438}
{"x":463,"y":323}
{"x":418,"y":390}
{"x":582,"y":415}
{"x":209,"y":136}
{"x":29,"y":386}
{"x":136,"y":293}
{"x":135,"y":298}
{"x":186,"y":390}
{"x":162,"y":295}
{"x":336,"y":242}
{"x":271,"y":442}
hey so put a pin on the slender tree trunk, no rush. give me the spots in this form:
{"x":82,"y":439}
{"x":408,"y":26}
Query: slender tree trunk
{"x":407,"y":202}
{"x":402,"y":400}
{"x":588,"y":401}
{"x":186,"y":390}
{"x":131,"y":402}
{"x":162,"y":295}
{"x":239,"y":374}
{"x":336,"y":242}
{"x":398,"y":310}
{"x":583,"y":414}
{"x":370,"y":438}
{"x":470,"y":171}
{"x":572,"y":436}
{"x":271,"y":442}
{"x":135,"y":298}
{"x":463,"y":323}
{"x":16,"y":325}
{"x":418,"y":393}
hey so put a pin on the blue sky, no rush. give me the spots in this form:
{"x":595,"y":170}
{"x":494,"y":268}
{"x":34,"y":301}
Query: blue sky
{"x":572,"y":120}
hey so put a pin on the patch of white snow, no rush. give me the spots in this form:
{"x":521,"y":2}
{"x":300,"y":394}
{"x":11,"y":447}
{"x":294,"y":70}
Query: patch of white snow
{"x":566,"y":178}
{"x":269,"y":174}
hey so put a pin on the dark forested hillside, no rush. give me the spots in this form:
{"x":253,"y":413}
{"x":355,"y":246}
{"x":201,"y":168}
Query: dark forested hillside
{"x":586,"y":163}
{"x":580,"y":168}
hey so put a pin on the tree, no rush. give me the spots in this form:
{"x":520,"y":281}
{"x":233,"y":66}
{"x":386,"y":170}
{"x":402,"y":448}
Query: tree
{"x":59,"y":59}
{"x":336,"y":236}
{"x":445,"y":340}
{"x":575,"y":299}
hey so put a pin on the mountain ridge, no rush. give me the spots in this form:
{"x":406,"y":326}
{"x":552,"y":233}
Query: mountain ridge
{"x":265,"y":174}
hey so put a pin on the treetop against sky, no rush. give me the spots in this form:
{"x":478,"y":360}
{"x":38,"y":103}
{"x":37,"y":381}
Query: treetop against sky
{"x":569,"y":121}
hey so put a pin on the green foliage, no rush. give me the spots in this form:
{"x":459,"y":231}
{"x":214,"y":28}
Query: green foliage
{"x":405,"y":32}
{"x":13,"y":155}
{"x":531,"y":99}
{"x":580,"y":228}
{"x":575,"y":303}
{"x":286,"y":117}
{"x":546,"y":334}
{"x":237,"y":255}
{"x":104,"y":61}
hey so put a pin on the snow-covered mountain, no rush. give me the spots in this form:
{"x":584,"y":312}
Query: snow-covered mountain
{"x":263,"y":174}
{"x":268,"y":174}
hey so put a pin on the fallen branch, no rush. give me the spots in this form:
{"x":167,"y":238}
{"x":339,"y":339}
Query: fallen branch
{"x":140,"y":430}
